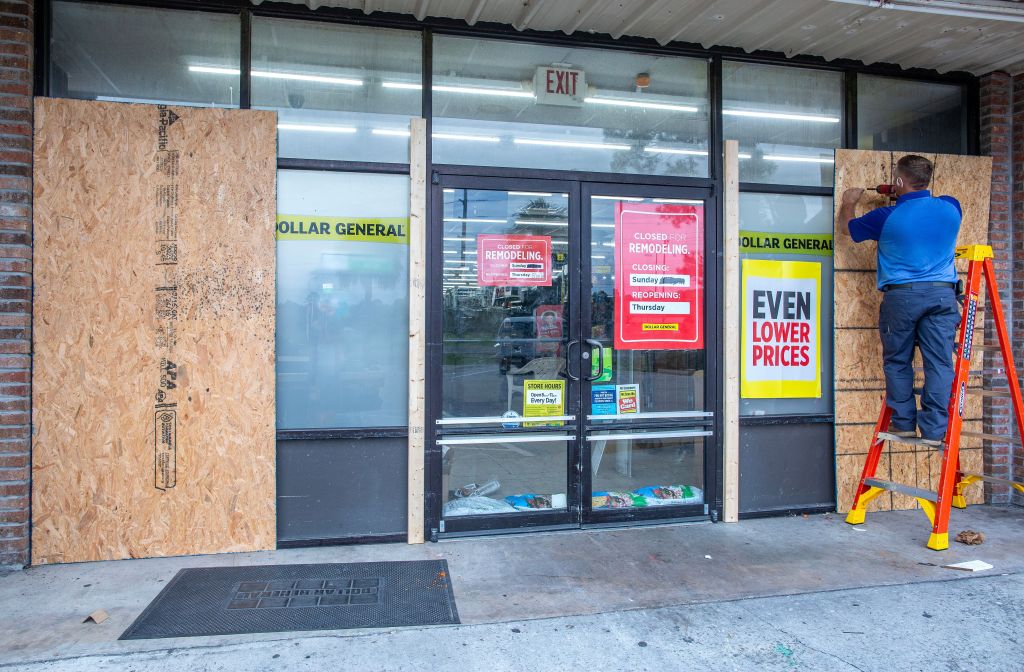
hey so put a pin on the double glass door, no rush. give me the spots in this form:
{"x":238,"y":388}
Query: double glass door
{"x":570,"y":375}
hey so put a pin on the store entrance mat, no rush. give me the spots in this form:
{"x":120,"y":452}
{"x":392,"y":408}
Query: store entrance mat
{"x":281,"y":598}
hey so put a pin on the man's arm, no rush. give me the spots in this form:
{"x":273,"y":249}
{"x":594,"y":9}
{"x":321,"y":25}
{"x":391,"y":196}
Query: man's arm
{"x":846,"y":209}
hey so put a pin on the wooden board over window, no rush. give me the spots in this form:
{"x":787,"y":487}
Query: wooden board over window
{"x":859,"y":383}
{"x":153,"y":377}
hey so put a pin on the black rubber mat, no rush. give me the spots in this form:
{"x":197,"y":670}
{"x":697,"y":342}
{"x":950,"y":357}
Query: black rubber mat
{"x":280,"y":598}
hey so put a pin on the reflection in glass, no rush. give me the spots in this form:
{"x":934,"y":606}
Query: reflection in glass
{"x":497,"y":335}
{"x":787,"y":121}
{"x":332,"y":86}
{"x":906,"y":115}
{"x":669,"y":380}
{"x":638,"y":113}
{"x":640,"y":473}
{"x":342,"y":308}
{"x":143,"y":54}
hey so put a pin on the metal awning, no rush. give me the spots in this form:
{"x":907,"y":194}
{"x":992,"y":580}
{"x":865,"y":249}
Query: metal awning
{"x":978,"y":36}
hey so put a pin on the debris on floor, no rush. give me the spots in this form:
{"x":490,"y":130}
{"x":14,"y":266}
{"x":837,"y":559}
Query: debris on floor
{"x":97,"y":616}
{"x":969,"y":566}
{"x":971,"y":538}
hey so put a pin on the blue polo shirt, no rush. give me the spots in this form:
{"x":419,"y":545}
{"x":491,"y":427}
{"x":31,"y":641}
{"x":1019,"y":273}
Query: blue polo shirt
{"x":916,"y":238}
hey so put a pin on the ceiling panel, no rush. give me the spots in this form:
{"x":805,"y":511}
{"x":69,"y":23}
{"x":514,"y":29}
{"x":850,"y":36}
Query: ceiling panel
{"x":974,"y":35}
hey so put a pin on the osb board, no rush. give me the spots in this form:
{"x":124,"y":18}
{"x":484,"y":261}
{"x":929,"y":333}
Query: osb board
{"x":153,"y":379}
{"x":859,"y":384}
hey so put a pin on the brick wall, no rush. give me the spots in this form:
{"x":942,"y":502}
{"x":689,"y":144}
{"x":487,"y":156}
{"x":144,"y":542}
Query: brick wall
{"x":996,"y":139}
{"x":1017,"y":209}
{"x":16,"y":45}
{"x":1002,"y":137}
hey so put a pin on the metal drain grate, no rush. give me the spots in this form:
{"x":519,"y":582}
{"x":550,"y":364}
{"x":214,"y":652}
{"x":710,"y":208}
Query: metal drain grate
{"x":280,"y":598}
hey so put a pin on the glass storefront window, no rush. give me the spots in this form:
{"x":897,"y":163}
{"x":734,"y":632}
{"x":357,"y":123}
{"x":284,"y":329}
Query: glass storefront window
{"x":140,"y":54}
{"x":787,"y":121}
{"x":342,"y":300}
{"x":910,"y":116}
{"x":341,"y":92}
{"x":796,"y":217}
{"x":551,"y":107}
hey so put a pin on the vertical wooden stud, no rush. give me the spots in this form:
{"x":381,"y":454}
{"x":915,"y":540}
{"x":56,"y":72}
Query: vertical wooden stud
{"x":417,"y":324}
{"x":731,"y":365}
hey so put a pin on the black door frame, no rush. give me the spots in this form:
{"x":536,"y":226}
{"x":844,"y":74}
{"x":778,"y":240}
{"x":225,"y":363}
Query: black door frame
{"x":578,"y":478}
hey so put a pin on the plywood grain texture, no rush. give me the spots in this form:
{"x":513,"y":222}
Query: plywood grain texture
{"x":153,"y":379}
{"x":417,"y":328}
{"x":732,"y":333}
{"x":859,"y":384}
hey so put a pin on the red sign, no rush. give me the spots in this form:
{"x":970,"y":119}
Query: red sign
{"x":513,"y":261}
{"x":659,"y":276}
{"x":548,"y":324}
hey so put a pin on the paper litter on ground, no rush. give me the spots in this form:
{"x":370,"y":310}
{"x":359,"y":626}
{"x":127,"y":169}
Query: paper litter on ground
{"x":970,"y":566}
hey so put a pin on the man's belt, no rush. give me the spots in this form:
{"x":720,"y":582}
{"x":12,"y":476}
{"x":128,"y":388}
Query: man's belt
{"x":919,"y":285}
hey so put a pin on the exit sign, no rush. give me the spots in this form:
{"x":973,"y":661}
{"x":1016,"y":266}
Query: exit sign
{"x":555,"y":85}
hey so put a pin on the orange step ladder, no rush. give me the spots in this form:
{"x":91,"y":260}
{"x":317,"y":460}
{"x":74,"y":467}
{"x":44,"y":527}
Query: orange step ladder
{"x":952,"y":480}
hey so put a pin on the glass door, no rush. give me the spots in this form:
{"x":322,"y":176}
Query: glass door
{"x":646,"y":423}
{"x":510,"y":378}
{"x":569,"y":371}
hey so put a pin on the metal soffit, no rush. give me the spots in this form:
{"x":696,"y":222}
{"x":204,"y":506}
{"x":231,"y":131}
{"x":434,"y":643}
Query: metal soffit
{"x":945,"y":35}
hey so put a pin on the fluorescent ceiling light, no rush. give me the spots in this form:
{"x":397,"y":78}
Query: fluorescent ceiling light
{"x":458,"y":261}
{"x":558,"y":242}
{"x":569,"y":143}
{"x":782,"y":115}
{"x":316,"y":128}
{"x":475,"y":220}
{"x":652,"y":105}
{"x":541,"y":222}
{"x":602,"y":226}
{"x":448,"y":191}
{"x":678,"y":200}
{"x":410,"y":86}
{"x":459,"y":239}
{"x":273,"y":74}
{"x":673,"y":150}
{"x":468,"y":138}
{"x":618,"y":198}
{"x":451,"y":252}
{"x":533,"y":193}
{"x":804,"y":159}
{"x":484,"y":91}
{"x":398,"y":132}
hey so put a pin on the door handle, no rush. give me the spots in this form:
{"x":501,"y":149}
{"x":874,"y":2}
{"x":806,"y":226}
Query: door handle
{"x":568,"y":361}
{"x":594,"y":343}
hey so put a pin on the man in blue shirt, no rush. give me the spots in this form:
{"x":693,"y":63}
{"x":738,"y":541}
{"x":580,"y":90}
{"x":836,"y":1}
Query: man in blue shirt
{"x":916,"y":245}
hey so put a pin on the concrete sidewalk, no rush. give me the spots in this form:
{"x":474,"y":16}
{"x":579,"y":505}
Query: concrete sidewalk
{"x":519,"y":578}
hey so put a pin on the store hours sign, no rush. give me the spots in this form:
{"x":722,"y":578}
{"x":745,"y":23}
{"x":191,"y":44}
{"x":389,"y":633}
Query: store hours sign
{"x":659,"y":271}
{"x":781,"y":331}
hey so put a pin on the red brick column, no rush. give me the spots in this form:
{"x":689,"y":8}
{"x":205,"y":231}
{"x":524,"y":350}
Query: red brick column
{"x":16,"y":55}
{"x":1017,"y":201}
{"x":996,"y":117}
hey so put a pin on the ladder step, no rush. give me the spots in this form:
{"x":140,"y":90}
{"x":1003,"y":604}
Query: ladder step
{"x":999,"y":438}
{"x":901,"y":488}
{"x":909,"y":440}
{"x":990,"y":479}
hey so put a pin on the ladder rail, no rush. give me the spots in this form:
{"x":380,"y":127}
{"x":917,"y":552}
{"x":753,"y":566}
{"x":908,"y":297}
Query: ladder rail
{"x":1005,"y":345}
{"x":952,"y":478}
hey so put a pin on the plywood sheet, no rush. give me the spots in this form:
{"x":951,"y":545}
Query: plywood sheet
{"x":859,"y":383}
{"x":153,"y":379}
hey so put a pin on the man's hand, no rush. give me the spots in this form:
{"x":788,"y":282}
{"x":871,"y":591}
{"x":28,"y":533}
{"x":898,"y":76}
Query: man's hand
{"x":846,"y":209}
{"x":852,"y":195}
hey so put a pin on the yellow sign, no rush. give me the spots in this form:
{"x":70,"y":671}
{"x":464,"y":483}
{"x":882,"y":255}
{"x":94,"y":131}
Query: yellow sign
{"x":358,"y":229}
{"x":661,"y":327}
{"x":543,"y":398}
{"x":781,"y":333}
